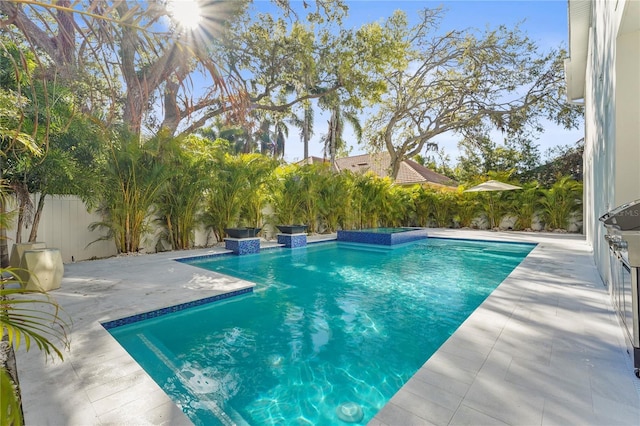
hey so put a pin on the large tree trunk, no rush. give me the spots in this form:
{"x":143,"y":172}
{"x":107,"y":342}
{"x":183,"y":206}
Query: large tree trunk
{"x":394,"y":167}
{"x":33,"y":235}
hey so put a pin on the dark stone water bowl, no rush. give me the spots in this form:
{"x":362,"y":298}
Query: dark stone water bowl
{"x":242,"y":232}
{"x":292,"y":229}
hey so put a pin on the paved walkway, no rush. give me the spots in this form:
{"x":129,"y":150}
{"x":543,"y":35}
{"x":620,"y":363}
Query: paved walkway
{"x":545,"y":348}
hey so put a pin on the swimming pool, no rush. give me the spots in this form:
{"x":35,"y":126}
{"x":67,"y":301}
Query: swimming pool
{"x":328,"y":324}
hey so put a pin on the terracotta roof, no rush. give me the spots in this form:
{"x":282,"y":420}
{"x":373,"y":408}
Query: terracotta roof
{"x":410,"y":172}
{"x":312,"y":160}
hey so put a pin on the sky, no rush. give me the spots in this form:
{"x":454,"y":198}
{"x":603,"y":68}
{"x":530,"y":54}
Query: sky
{"x":544,"y":21}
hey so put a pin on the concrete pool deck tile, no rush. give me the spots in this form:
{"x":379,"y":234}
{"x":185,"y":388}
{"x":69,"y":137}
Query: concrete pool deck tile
{"x":467,"y":416}
{"x":613,"y":412}
{"x":548,"y":382}
{"x":571,"y":411}
{"x":441,"y":381}
{"x":423,"y":408}
{"x":505,"y":401}
{"x":442,"y":397}
{"x":394,"y":415}
{"x":544,"y":348}
{"x":104,"y":390}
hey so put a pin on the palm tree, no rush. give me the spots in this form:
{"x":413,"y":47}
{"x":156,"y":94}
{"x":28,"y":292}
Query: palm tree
{"x":526,"y":204}
{"x":305,"y":124}
{"x":133,"y":176}
{"x":398,"y":207}
{"x":443,"y":208}
{"x":179,"y":200}
{"x":334,"y":139}
{"x":467,"y":208}
{"x":560,"y":201}
{"x":273,"y":142}
{"x":369,"y":199}
{"x":286,"y":195}
{"x":333,"y":198}
{"x":234,"y":194}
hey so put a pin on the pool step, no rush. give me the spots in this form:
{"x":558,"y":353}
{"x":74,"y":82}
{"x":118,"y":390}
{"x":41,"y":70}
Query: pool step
{"x":167,"y":360}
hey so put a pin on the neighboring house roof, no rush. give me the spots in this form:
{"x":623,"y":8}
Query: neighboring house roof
{"x":410,"y":172}
{"x":312,"y":160}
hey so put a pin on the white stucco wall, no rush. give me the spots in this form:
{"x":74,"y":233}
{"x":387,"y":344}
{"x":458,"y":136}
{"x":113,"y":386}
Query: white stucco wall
{"x":612,"y":117}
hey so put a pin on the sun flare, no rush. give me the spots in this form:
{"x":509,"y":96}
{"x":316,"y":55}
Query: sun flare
{"x":185,"y":13}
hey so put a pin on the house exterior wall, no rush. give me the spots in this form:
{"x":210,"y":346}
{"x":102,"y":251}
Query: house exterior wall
{"x":612,"y":117}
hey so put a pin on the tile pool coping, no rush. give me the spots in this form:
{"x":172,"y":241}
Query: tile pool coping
{"x":173,"y":309}
{"x":570,"y":371}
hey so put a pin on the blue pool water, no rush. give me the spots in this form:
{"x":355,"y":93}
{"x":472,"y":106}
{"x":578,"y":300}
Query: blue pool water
{"x":328,"y":324}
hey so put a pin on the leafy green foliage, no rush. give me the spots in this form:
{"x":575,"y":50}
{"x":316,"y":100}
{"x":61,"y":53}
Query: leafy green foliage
{"x":286,"y":196}
{"x":444,"y":203}
{"x":559,"y":202}
{"x":133,"y":176}
{"x":333,"y":198}
{"x":465,"y":82}
{"x":26,"y":317}
{"x":466,"y":209}
{"x":180,"y":198}
{"x":526,"y":204}
{"x":235,"y":192}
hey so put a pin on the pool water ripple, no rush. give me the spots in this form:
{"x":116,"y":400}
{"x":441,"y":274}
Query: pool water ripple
{"x":326,"y":326}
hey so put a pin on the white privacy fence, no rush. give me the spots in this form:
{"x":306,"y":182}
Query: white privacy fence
{"x":65,"y":225}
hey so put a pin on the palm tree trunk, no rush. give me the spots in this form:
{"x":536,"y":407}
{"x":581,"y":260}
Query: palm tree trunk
{"x":333,"y":135}
{"x":4,"y":245}
{"x":306,"y":130}
{"x":8,"y":363}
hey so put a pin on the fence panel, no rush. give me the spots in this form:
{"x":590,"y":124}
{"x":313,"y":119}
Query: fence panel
{"x":65,"y":225}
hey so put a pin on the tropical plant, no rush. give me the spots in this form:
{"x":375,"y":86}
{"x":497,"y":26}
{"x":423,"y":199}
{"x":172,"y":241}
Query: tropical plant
{"x":398,"y":207}
{"x":526,"y":204}
{"x":333,"y":140}
{"x":180,"y":198}
{"x":260,"y":170}
{"x":310,"y":186}
{"x":133,"y":177}
{"x":286,"y":195}
{"x":369,"y":199}
{"x":28,"y":317}
{"x":333,"y":198}
{"x":559,"y":202}
{"x":467,"y":208}
{"x":235,"y":186}
{"x":444,"y":204}
{"x":422,"y":205}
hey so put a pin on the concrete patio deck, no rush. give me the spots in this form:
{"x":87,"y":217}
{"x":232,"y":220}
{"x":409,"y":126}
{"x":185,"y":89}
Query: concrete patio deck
{"x":545,"y":348}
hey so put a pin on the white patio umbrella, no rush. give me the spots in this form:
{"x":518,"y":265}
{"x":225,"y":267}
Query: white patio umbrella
{"x":491,"y":186}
